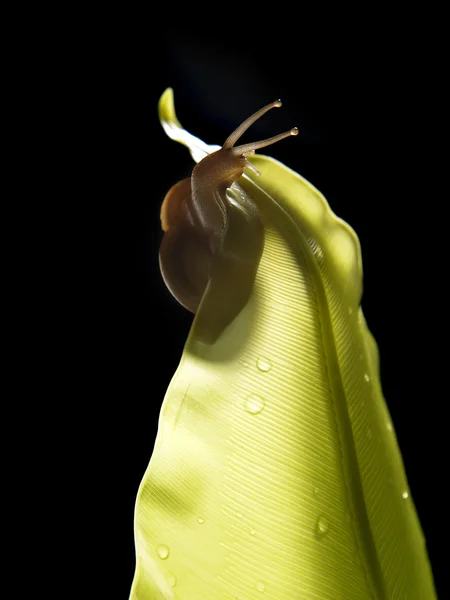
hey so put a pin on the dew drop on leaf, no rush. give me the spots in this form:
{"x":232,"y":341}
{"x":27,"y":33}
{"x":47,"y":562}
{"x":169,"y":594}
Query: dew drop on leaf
{"x":254,"y":404}
{"x":322,"y":526}
{"x":263,"y":364}
{"x":163,"y":551}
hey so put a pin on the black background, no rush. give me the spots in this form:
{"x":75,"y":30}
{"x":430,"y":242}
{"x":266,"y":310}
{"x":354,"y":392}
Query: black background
{"x":359,"y":92}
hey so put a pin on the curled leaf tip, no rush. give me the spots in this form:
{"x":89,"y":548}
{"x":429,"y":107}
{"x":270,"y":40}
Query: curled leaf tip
{"x":174,"y":129}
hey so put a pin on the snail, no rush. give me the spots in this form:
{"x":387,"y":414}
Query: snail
{"x":205,"y":230}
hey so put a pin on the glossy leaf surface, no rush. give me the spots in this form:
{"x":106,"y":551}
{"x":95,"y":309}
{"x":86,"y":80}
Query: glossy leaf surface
{"x":276,"y":472}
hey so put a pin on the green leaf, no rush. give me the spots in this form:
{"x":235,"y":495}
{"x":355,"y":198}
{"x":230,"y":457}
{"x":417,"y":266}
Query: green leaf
{"x":276,"y":471}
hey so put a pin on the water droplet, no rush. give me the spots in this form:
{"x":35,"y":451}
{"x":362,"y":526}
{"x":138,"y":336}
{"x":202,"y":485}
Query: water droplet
{"x":405,"y":495}
{"x":260,"y":586}
{"x":254,"y":404}
{"x":239,"y":515}
{"x":322,"y":526}
{"x":200,"y":520}
{"x":366,"y":377}
{"x":389,"y":427}
{"x":244,"y":363}
{"x":350,"y":310}
{"x":163,"y":551}
{"x":263,"y":364}
{"x":252,"y":532}
{"x":172,"y":581}
{"x":316,"y":491}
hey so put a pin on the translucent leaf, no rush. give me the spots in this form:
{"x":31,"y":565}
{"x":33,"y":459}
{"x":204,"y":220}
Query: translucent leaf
{"x":276,"y":472}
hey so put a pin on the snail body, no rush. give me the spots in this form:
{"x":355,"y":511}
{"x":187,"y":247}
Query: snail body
{"x":196,"y":215}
